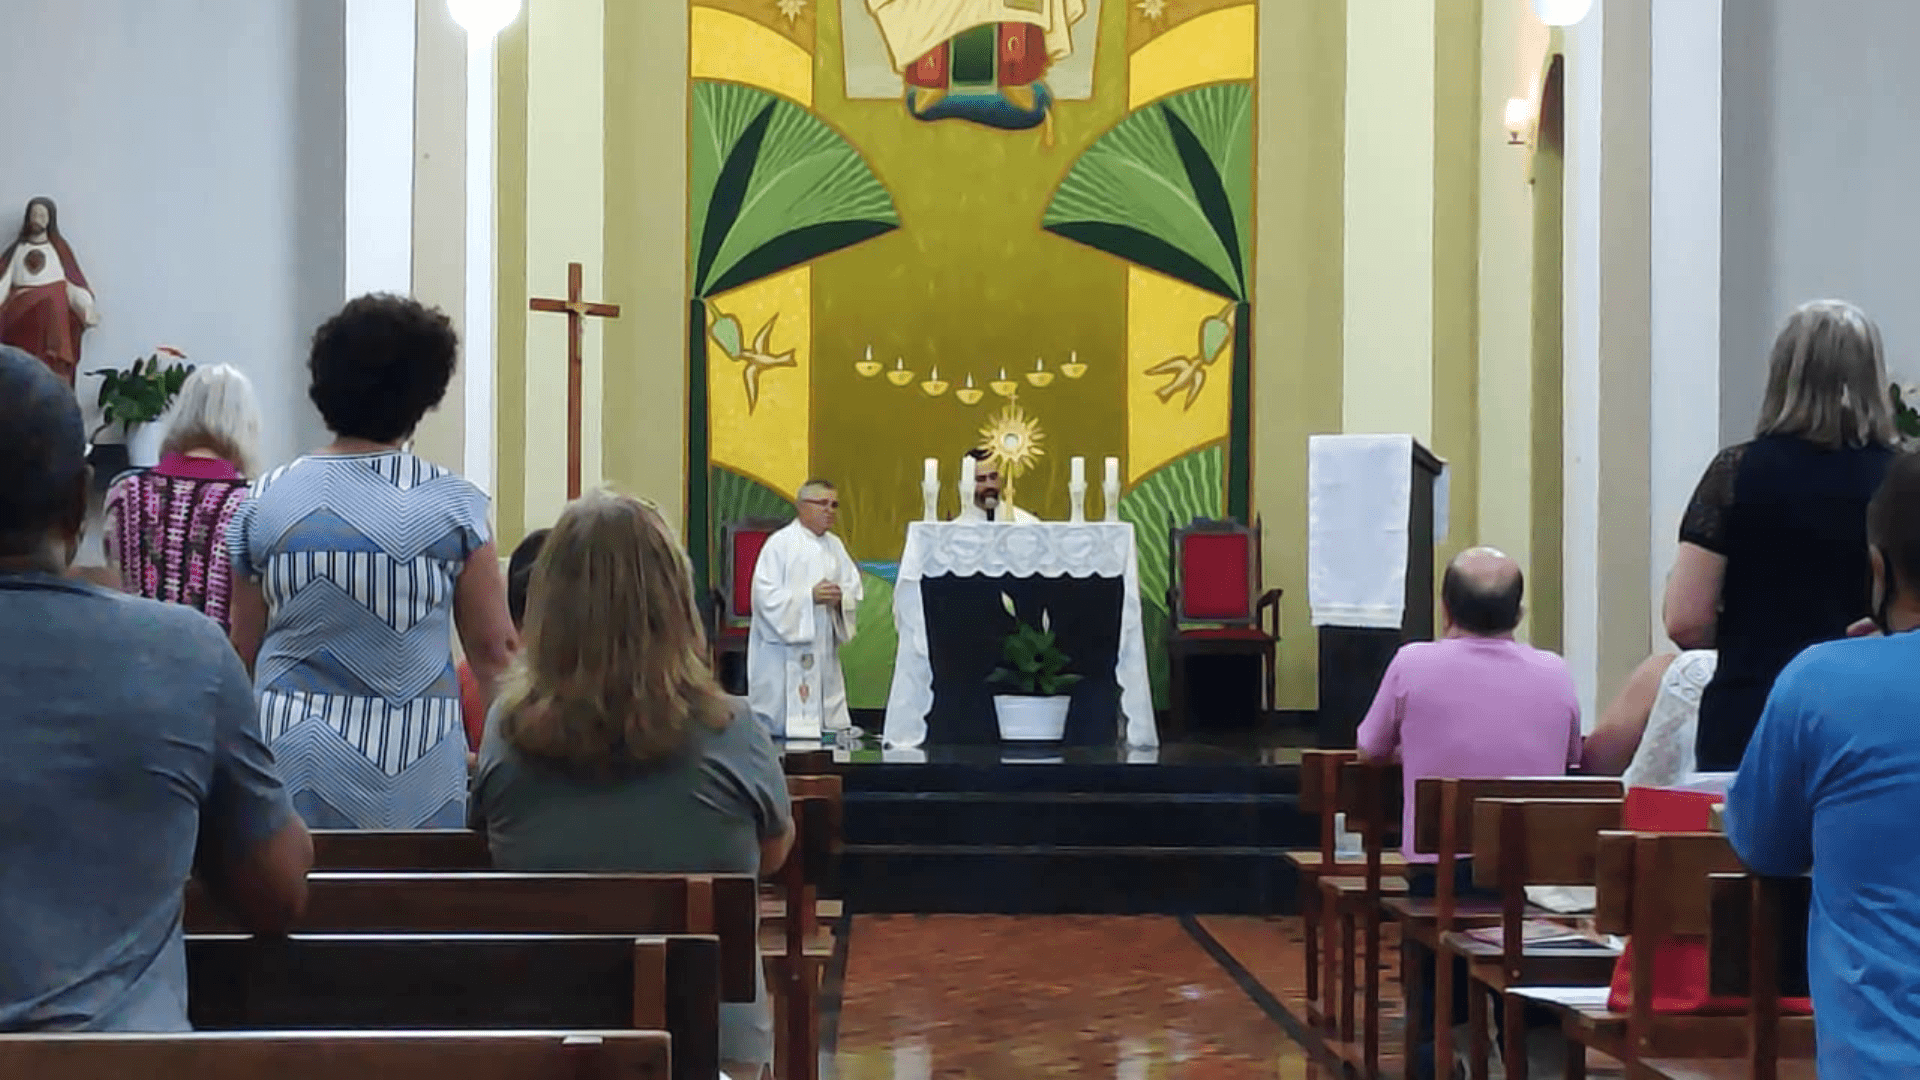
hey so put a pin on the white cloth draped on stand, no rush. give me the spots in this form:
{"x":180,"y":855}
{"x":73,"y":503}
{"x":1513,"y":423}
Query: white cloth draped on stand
{"x":1055,"y":549}
{"x":794,"y":682}
{"x":1359,"y":489}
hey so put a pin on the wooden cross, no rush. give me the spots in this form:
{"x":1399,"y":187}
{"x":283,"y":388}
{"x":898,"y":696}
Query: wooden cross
{"x":576,"y":311}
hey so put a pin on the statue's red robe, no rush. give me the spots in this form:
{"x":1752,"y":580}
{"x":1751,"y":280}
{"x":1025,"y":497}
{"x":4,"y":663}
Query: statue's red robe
{"x":40,"y":318}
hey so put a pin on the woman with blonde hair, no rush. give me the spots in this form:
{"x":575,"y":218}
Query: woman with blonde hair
{"x":612,"y":748}
{"x":166,"y":527}
{"x":1773,"y":547}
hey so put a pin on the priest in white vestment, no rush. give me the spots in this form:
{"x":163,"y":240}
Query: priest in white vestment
{"x":990,"y":502}
{"x":806,"y":591}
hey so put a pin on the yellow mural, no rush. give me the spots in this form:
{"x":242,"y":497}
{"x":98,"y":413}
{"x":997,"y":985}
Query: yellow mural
{"x":760,"y":378}
{"x":1216,"y":47}
{"x":733,"y":48}
{"x":1179,"y":369}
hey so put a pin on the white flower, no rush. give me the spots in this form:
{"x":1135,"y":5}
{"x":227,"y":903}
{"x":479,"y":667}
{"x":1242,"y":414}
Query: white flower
{"x":791,"y":8}
{"x":1153,"y":9}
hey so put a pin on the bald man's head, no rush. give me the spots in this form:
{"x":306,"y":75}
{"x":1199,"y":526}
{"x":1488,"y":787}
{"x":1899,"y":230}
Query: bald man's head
{"x":1482,"y":592}
{"x":45,"y":448}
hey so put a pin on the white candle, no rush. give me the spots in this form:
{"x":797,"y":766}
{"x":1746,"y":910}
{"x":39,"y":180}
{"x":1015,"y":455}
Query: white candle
{"x":967,"y":474}
{"x":1113,"y":471}
{"x":1077,"y":470}
{"x":932,"y":475}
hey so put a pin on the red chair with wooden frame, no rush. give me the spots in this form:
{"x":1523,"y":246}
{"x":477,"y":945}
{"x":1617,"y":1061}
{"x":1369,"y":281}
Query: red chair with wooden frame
{"x":1215,"y":604}
{"x":740,"y":544}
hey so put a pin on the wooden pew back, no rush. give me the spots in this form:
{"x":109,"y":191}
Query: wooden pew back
{"x":340,"y":1055}
{"x":1522,"y":842}
{"x":423,"y":982}
{"x":374,"y":850}
{"x":724,"y":905}
{"x":1439,"y":803}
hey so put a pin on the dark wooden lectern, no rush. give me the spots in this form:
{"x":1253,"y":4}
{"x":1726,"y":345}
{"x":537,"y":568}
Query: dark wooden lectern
{"x":1353,"y":658}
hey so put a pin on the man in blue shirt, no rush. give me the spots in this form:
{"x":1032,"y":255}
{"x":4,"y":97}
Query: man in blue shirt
{"x":130,"y":758}
{"x":1831,"y":782}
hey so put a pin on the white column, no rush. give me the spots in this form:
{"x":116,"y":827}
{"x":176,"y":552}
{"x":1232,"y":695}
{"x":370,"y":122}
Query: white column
{"x":379,"y":150}
{"x":478,"y":463}
{"x":1685,"y":322}
{"x":1387,"y":319}
{"x":1581,"y":417}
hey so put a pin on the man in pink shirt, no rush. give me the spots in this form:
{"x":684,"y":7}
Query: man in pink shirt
{"x":1475,"y":703}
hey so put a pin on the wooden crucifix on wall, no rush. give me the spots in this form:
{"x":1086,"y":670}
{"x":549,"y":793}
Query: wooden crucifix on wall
{"x":577,"y":312}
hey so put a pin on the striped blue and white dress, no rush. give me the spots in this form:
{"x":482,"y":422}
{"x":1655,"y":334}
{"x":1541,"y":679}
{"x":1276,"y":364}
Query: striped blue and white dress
{"x":358,"y":556}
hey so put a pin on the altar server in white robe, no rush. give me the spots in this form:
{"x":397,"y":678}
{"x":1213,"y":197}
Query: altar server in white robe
{"x":806,"y":592}
{"x":990,"y":502}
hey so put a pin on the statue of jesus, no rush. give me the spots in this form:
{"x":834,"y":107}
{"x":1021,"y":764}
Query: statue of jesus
{"x":978,"y":60}
{"x":45,"y":304}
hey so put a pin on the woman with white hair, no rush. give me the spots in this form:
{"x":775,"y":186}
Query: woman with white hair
{"x":166,"y":527}
{"x":1773,"y":547}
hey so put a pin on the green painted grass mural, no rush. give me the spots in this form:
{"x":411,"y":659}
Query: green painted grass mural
{"x":1185,"y":488}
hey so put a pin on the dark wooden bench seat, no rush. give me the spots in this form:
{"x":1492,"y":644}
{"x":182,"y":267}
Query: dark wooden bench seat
{"x":338,"y":1055}
{"x":464,"y":982}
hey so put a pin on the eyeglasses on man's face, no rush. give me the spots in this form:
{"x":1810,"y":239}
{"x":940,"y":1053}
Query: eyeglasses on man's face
{"x":828,"y":504}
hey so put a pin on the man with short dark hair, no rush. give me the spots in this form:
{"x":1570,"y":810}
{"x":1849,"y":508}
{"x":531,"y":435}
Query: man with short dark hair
{"x":1829,"y":783}
{"x":130,"y":758}
{"x":990,"y":502}
{"x":1475,"y":703}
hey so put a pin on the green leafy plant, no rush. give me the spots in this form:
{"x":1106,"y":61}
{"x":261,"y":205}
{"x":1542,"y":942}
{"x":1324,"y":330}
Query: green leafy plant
{"x":1906,"y":417}
{"x":1033,"y":665}
{"x":141,"y":393}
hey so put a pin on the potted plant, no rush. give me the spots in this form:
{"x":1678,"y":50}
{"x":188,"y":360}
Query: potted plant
{"x":1906,"y":417}
{"x":1034,"y":672}
{"x":133,"y":398}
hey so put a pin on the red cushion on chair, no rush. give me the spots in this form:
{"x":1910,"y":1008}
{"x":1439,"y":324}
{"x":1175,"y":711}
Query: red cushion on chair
{"x":1213,"y":576}
{"x":746,"y":555}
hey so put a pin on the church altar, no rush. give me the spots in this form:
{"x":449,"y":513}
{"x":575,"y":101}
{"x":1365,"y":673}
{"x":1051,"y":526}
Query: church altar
{"x":936,"y":551}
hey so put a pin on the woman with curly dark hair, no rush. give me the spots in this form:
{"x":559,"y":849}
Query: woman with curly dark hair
{"x":350,"y":564}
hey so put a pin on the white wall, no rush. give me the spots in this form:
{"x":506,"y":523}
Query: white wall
{"x":1819,"y":178}
{"x":1685,"y":302}
{"x":195,"y":150}
{"x":1581,"y":359}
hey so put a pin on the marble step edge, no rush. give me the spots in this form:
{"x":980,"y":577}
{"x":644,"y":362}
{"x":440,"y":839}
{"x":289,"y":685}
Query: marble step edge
{"x":1278,"y":853}
{"x":1184,"y":798}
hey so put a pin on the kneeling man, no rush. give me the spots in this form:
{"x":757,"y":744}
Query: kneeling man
{"x":806,"y":591}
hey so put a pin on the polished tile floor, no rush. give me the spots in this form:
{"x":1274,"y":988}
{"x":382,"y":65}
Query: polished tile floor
{"x":952,"y":997}
{"x":967,"y":997}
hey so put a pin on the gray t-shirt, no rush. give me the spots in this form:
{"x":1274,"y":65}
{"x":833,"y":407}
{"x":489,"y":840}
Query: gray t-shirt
{"x":703,"y":812}
{"x":127,"y":735}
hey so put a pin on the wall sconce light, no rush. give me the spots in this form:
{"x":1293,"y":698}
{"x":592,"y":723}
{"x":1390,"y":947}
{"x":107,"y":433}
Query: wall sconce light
{"x":1562,"y":12}
{"x":1519,"y":121}
{"x":483,"y":18}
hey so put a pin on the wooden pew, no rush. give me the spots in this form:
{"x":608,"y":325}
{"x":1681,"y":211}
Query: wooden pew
{"x":1443,"y":826}
{"x":796,"y":948}
{"x":507,"y":982}
{"x":1518,"y":843}
{"x":725,"y":905}
{"x":1319,"y":784}
{"x":1651,"y":887}
{"x":1370,"y":797}
{"x":1756,"y":949}
{"x":338,"y":1055}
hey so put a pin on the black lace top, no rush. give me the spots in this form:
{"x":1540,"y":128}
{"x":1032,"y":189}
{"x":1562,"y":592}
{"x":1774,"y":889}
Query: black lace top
{"x":1790,"y":519}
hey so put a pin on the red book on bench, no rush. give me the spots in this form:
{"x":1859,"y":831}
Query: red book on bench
{"x":1680,"y":963}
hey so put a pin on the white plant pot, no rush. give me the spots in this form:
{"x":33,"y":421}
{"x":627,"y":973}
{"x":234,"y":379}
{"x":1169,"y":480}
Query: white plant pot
{"x":143,"y":444}
{"x":1031,"y":719}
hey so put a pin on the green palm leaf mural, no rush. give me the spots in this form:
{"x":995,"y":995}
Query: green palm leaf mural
{"x":771,"y":187}
{"x":737,"y":497}
{"x":1185,"y":488}
{"x":1170,"y":188}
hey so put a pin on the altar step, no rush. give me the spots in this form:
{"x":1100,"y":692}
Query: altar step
{"x":973,"y":833}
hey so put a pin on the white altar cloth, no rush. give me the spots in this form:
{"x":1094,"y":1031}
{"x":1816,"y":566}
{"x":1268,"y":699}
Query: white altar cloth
{"x":993,"y":549}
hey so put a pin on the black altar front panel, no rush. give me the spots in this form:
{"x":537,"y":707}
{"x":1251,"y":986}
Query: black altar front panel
{"x":967,"y":624}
